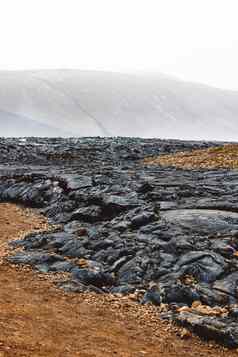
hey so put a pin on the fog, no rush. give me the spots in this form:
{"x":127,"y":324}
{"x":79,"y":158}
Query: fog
{"x":95,"y":103}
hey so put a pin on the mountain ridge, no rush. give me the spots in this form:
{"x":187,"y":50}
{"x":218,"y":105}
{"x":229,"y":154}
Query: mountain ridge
{"x":96,"y":103}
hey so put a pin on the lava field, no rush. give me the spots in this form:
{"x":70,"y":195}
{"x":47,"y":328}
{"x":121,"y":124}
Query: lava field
{"x":122,"y":226}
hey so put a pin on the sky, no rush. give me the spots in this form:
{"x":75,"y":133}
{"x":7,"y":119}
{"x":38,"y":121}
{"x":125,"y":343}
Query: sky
{"x":195,"y":40}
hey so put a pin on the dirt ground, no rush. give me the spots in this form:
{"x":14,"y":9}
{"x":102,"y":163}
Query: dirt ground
{"x":225,"y":157}
{"x":37,"y":319}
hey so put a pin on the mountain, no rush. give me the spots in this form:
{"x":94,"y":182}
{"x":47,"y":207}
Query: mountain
{"x":93,"y":103}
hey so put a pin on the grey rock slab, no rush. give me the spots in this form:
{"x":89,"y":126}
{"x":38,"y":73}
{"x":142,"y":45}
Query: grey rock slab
{"x":202,"y":220}
{"x":208,"y":327}
{"x":75,"y":182}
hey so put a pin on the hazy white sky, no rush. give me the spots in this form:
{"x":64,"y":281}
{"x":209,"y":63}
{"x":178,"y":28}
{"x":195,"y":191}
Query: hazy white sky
{"x":195,"y":40}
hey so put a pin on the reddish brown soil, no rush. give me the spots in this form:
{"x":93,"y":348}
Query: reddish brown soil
{"x":37,"y":319}
{"x":225,"y":157}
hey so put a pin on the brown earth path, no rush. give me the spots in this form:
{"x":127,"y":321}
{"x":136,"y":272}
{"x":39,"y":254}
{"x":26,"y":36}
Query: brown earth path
{"x":37,"y":319}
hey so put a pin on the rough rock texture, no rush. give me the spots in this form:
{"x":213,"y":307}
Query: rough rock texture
{"x":169,"y":234}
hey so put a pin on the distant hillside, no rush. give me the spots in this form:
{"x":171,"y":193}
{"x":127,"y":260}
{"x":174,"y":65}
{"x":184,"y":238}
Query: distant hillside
{"x":17,"y":125}
{"x":90,"y":103}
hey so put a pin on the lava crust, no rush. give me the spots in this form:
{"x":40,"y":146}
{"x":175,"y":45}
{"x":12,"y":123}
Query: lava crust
{"x":167,"y":234}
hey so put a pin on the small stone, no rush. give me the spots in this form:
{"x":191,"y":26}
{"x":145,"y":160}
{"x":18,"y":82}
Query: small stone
{"x":195,"y":304}
{"x":185,"y":334}
{"x":183,"y":309}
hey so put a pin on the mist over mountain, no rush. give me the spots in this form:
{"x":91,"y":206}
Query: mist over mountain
{"x":92,"y":103}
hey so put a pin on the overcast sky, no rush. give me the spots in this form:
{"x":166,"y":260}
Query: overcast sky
{"x":194,"y":40}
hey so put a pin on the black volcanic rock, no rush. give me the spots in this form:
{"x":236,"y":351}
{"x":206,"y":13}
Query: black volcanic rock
{"x":132,"y":225}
